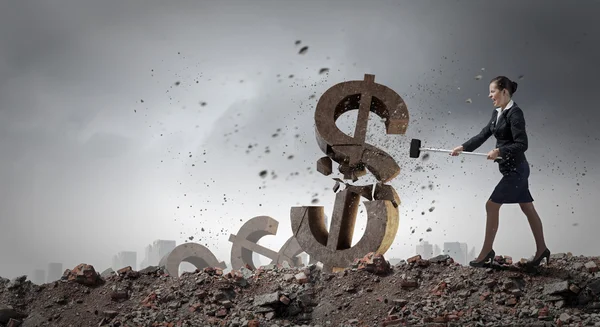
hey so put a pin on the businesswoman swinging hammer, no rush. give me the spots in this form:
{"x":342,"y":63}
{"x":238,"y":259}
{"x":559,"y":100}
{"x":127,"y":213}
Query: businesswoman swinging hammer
{"x":507,"y":124}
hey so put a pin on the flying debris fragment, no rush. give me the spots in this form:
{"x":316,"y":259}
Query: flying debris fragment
{"x":336,"y":187}
{"x":303,"y":50}
{"x":478,"y":77}
{"x":469,"y":100}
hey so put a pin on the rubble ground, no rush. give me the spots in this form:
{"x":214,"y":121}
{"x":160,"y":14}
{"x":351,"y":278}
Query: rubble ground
{"x":416,"y":292}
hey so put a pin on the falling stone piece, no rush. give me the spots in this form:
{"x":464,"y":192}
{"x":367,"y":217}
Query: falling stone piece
{"x":334,"y":248}
{"x":352,"y":173}
{"x":386,"y":192}
{"x":196,"y":254}
{"x":469,"y":100}
{"x":365,"y":191}
{"x":323,"y":70}
{"x":352,"y":153}
{"x":339,"y":180}
{"x":245,"y":244}
{"x":336,"y":186}
{"x":324,"y":166}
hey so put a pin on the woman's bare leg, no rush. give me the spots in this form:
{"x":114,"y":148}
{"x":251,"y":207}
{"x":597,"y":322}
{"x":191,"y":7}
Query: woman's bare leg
{"x":536,"y":226}
{"x":492,"y":210}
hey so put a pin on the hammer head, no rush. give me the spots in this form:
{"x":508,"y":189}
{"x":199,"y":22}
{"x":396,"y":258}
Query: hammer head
{"x":415,"y":145}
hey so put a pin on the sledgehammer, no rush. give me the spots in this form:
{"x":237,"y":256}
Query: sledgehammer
{"x":415,"y":150}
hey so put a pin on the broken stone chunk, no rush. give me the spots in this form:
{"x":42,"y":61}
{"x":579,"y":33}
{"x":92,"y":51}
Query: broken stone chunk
{"x":266,"y":299}
{"x":325,"y":166}
{"x":555,"y":288}
{"x":591,"y":266}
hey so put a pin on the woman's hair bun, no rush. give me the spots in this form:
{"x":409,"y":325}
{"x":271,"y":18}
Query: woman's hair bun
{"x":504,"y":83}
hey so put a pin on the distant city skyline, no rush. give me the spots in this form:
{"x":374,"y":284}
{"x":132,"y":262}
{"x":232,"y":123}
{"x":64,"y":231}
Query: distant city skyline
{"x":457,"y":250}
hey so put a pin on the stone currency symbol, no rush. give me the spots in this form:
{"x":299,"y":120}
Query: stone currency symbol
{"x":353,"y":155}
{"x":245,"y":244}
{"x":194,"y":253}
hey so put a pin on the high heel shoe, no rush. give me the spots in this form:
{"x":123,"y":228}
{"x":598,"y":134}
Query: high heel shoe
{"x":536,"y":262}
{"x":490,"y":256}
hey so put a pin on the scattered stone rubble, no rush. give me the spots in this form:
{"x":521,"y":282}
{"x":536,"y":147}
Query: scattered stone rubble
{"x":435,"y":292}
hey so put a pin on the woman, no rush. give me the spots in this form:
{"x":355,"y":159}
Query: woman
{"x":507,"y":124}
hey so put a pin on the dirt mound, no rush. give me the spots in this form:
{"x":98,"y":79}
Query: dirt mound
{"x":434,"y":292}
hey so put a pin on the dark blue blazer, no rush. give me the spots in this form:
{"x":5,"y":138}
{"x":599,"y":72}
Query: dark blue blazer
{"x":511,"y":137}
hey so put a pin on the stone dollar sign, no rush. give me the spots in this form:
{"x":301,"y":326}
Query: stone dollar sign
{"x":353,"y":155}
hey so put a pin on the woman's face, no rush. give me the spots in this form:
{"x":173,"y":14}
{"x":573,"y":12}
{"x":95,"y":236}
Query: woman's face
{"x":498,"y":97}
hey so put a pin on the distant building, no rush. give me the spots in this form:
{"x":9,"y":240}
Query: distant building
{"x":161,"y":248}
{"x":115,"y":262}
{"x":126,"y":258}
{"x":472,"y":255}
{"x":465,"y":250}
{"x":456,"y":250}
{"x":39,"y":277}
{"x":156,"y":251}
{"x":394,"y":261}
{"x":55,"y":272}
{"x":436,"y":250}
{"x":147,"y":253}
{"x":425,"y":250}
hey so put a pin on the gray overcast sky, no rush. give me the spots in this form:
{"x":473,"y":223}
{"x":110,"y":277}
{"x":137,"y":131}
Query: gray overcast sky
{"x":87,"y":169}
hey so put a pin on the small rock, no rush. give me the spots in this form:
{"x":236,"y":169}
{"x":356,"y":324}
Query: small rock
{"x":555,"y":288}
{"x":591,"y":266}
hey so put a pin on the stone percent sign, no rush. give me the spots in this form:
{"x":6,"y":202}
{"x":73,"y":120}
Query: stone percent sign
{"x":334,"y":248}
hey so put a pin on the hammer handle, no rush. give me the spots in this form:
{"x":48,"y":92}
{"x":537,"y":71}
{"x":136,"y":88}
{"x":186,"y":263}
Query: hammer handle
{"x":450,"y":151}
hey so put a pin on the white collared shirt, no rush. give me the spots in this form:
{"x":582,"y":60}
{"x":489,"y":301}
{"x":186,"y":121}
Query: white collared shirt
{"x":499,"y":109}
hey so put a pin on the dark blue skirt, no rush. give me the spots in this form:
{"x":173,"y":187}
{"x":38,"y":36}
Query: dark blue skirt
{"x":514,"y":185}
